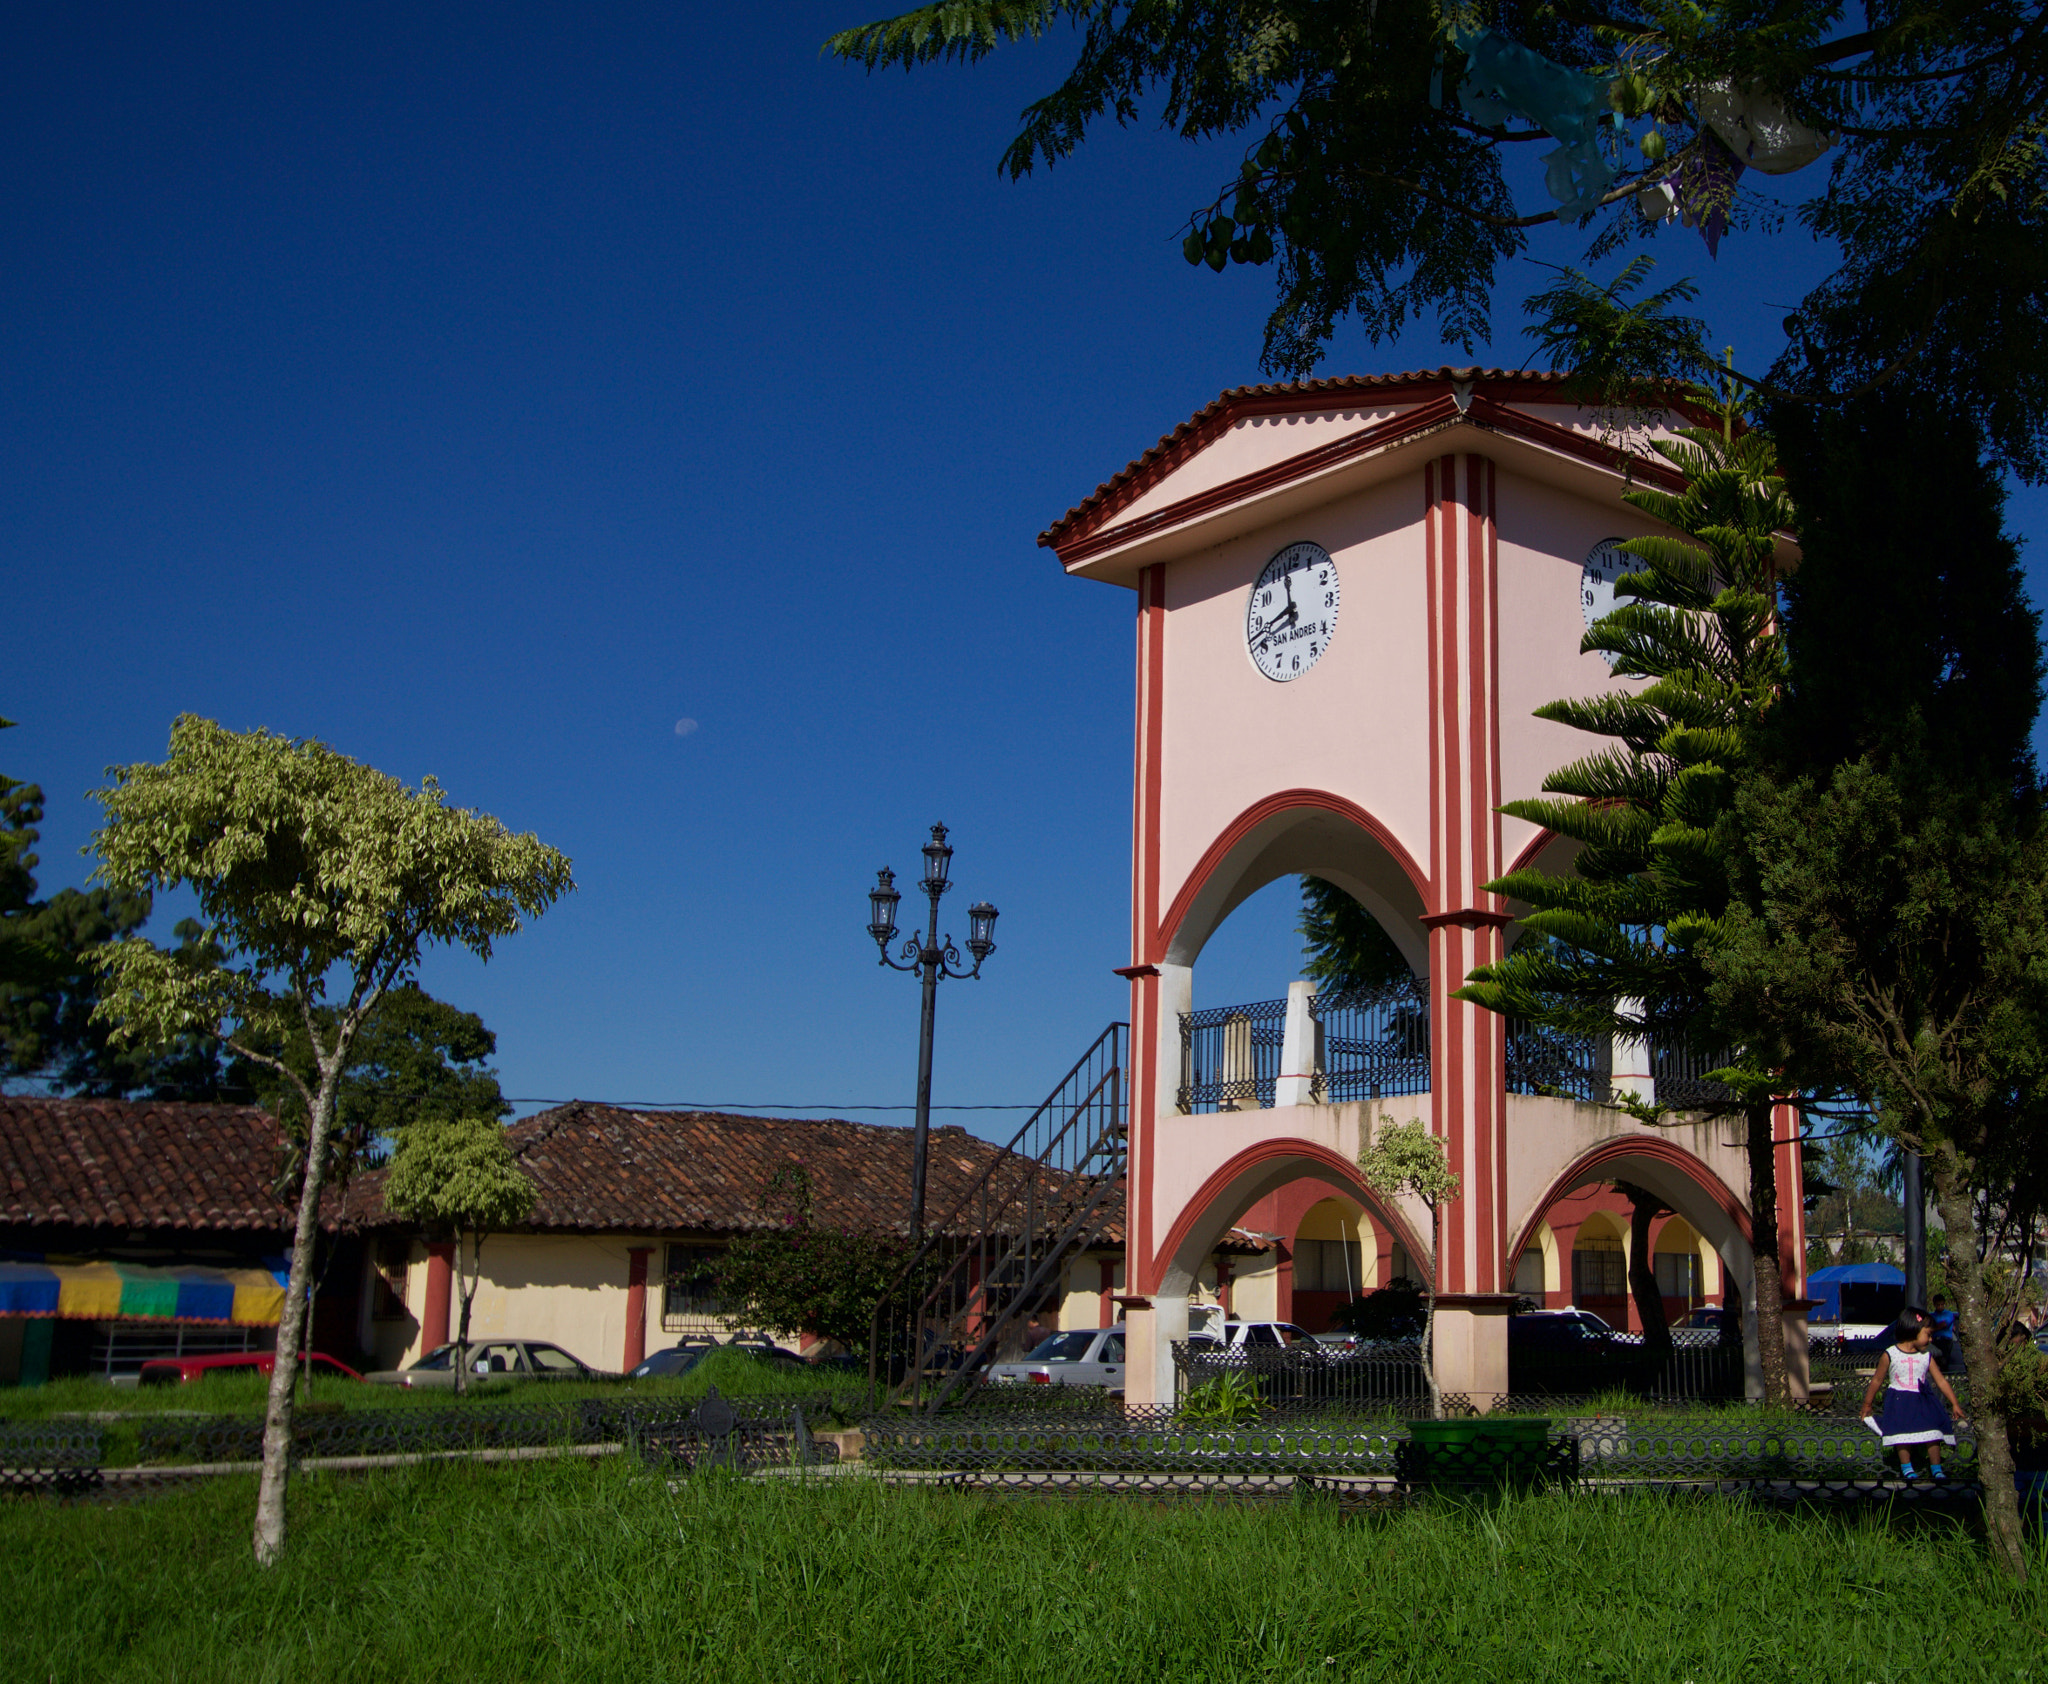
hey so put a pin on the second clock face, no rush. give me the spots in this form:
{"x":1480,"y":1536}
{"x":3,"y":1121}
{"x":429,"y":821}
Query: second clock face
{"x":1292,"y":614}
{"x":1606,"y":562}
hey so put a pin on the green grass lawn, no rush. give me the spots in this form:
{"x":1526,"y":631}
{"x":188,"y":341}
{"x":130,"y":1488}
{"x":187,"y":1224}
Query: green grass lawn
{"x":588,"y":1572}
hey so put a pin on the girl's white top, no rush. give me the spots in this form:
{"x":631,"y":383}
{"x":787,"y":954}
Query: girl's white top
{"x":1909,"y":1369}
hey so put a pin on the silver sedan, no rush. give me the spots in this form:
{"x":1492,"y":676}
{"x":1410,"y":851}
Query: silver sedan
{"x":489,"y":1359}
{"x":1087,"y":1356}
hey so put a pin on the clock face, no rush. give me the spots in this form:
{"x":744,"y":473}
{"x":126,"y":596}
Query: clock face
{"x":1605,"y":563}
{"x":1292,"y":614}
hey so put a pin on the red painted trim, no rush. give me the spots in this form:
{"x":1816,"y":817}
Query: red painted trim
{"x":1105,"y":1313}
{"x":1432,"y":567}
{"x":1320,"y":1163}
{"x":1450,"y":882}
{"x":1493,"y":662}
{"x":1144,"y":1125}
{"x":636,"y":1305}
{"x":1152,"y":771}
{"x":1130,"y":973}
{"x":1471,"y":917}
{"x":1133,"y":1301}
{"x":440,"y":1282}
{"x":1087,"y":532}
{"x":1287,"y":800}
{"x":1634,"y":1146}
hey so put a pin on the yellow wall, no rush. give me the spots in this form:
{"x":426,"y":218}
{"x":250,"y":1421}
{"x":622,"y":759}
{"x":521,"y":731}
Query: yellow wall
{"x":1339,"y":1219}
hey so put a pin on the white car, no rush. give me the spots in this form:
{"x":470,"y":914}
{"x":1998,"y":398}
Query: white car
{"x":1086,"y":1356}
{"x":1235,"y":1335}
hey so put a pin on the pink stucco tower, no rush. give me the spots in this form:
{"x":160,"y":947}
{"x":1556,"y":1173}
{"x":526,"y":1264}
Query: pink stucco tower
{"x":1352,"y":595}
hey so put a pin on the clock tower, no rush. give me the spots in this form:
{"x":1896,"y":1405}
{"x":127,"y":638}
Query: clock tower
{"x":1352,"y":595}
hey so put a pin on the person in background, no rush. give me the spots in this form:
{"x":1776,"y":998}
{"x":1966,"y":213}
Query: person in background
{"x":1912,"y":1414}
{"x":1945,"y":1337}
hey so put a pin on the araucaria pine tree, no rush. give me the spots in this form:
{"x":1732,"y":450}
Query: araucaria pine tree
{"x":1626,"y":928}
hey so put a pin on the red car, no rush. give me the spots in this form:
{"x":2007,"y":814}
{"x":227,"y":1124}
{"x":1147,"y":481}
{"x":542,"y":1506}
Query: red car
{"x":183,"y":1371}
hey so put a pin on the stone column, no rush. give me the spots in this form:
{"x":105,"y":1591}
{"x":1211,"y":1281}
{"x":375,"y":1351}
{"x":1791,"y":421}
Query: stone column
{"x":1296,"y":1085}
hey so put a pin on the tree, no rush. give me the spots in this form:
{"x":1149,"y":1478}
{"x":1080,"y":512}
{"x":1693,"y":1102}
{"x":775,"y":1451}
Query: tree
{"x":1376,"y":137}
{"x":1888,"y":926}
{"x":1405,"y":1160}
{"x":799,"y":1276}
{"x":458,"y":1174}
{"x":47,"y":984}
{"x":1622,"y":952}
{"x":1644,"y":1208}
{"x":1347,"y":950}
{"x":414,"y":1058}
{"x":311,"y":870}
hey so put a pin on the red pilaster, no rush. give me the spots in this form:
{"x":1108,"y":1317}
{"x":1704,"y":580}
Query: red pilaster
{"x":1785,"y":1126}
{"x":636,"y":1305}
{"x":440,"y":1282}
{"x":1468,"y":1046}
{"x":1145,"y":1053}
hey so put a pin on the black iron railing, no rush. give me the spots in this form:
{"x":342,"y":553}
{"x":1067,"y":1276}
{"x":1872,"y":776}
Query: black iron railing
{"x":996,"y":1256}
{"x":1376,"y":1375}
{"x":1680,"y":1077}
{"x":1371,"y":1043}
{"x":1552,"y":1062}
{"x":1230,"y":1056}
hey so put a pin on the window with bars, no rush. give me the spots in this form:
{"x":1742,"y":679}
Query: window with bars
{"x":1327,"y":1266}
{"x":1678,"y":1274}
{"x":690,"y":1281}
{"x":1599,"y":1270}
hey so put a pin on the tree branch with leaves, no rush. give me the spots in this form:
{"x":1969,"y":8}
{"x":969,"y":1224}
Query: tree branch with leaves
{"x":1404,"y":1160}
{"x":320,"y":882}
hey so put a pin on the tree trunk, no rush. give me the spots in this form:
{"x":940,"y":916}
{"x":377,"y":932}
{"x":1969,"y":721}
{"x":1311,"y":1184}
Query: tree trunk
{"x":1436,"y":1246}
{"x":465,"y":1291}
{"x":1763,"y":1241}
{"x":1979,"y":1339}
{"x":1645,"y":1208}
{"x":268,"y":1536}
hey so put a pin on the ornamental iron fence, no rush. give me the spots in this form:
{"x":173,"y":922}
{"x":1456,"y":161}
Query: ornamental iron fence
{"x":1564,"y":1066}
{"x":1371,"y":1043}
{"x":1679,"y":1074}
{"x":1230,"y":1057}
{"x":1380,"y":1374}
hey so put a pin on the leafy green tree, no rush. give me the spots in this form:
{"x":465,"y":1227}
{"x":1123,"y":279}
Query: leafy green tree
{"x":312,"y":872}
{"x":1345,"y":946}
{"x":1404,"y":1160}
{"x":1376,"y":136}
{"x":457,"y":1174}
{"x":415,"y":1058}
{"x":1888,"y":927}
{"x":1622,"y":953}
{"x":798,"y":1275}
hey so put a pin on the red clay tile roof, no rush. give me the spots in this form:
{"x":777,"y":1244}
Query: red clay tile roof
{"x":1217,"y":417}
{"x":93,"y":1163}
{"x":603,"y":1167}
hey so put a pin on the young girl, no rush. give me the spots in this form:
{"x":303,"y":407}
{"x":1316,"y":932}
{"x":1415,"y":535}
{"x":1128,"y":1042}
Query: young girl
{"x":1911,"y":1414}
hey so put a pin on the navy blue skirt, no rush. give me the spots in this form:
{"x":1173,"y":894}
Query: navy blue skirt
{"x":1914,"y":1417}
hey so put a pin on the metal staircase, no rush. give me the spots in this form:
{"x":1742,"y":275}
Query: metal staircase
{"x":1002,"y":1247}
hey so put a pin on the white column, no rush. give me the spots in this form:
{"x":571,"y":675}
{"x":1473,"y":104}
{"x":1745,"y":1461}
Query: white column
{"x":1297,"y":1049}
{"x":1633,"y":1072}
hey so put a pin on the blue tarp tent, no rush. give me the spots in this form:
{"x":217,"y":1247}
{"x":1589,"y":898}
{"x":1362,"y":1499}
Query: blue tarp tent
{"x":1874,"y":1292}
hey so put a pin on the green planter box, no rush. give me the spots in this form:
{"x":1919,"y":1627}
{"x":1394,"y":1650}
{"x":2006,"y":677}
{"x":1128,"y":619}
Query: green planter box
{"x":1484,"y":1453}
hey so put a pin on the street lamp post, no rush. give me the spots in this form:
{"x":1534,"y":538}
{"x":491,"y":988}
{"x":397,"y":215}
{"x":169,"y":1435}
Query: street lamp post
{"x":932,"y":958}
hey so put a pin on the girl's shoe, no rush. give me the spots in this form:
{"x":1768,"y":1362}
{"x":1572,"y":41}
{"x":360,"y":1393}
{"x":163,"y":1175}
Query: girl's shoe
{"x":1906,"y":1471}
{"x":1940,"y":1472}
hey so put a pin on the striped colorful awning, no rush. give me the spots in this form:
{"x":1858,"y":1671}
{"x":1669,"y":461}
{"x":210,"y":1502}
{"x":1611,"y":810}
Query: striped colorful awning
{"x":88,"y":1290}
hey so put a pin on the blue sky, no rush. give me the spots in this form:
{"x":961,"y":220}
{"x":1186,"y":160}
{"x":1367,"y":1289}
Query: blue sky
{"x":484,"y":390}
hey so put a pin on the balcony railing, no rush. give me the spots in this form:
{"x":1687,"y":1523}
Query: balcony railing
{"x":1680,"y":1074}
{"x":1230,"y":1056}
{"x":1371,"y":1043}
{"x":1548,"y":1061}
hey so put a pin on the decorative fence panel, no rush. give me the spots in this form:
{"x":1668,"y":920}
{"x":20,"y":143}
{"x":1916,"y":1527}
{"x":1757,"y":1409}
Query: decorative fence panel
{"x":1230,"y":1056}
{"x":1378,"y":1376}
{"x":1371,"y":1043}
{"x":1548,"y":1061}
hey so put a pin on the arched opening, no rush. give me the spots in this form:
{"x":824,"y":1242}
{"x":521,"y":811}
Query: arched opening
{"x":1600,"y":1268}
{"x":1256,"y":1042}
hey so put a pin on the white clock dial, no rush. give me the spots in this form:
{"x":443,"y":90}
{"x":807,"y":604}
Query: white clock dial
{"x":1292,"y":614}
{"x":1605,"y":563}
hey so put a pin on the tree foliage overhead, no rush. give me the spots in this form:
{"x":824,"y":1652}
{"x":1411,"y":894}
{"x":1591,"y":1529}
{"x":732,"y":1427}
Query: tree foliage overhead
{"x":1375,"y":135}
{"x":1346,"y":950}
